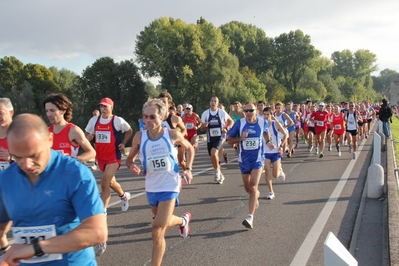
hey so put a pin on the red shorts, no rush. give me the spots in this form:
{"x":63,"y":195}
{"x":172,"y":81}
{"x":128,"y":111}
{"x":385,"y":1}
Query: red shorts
{"x":305,"y":127}
{"x":318,"y":130}
{"x":103,"y":163}
{"x":191,"y":134}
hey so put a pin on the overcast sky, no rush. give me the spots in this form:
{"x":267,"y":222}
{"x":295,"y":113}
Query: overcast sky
{"x":72,"y":34}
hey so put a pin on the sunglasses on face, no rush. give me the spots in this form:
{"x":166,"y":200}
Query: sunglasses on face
{"x":249,"y":110}
{"x":150,"y":117}
{"x":188,"y":108}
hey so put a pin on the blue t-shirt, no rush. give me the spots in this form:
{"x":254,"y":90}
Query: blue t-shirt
{"x":252,"y":148}
{"x":65,"y":194}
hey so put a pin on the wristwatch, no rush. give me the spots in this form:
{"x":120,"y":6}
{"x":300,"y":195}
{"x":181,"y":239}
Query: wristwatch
{"x":188,"y":168}
{"x":36,"y":246}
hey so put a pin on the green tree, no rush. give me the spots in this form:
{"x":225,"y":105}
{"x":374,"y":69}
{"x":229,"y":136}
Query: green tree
{"x":292,"y":53}
{"x":382,"y":83}
{"x":250,"y":45}
{"x":11,"y":72}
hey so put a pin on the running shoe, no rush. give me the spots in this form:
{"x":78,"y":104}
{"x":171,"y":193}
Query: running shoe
{"x":270,"y":196}
{"x":321,"y":155}
{"x":317,"y":150}
{"x":289,"y":155}
{"x":310,"y":148}
{"x":196,"y":146}
{"x":248,"y":223}
{"x":281,"y":177}
{"x":94,"y":167}
{"x":350,"y":149}
{"x":225,"y":157}
{"x":217,"y":176}
{"x":339,"y":153}
{"x":185,"y":230}
{"x":125,"y":201}
{"x":221,"y":179}
{"x":329,"y":148}
{"x":100,"y":249}
{"x":296,"y":145}
{"x":354,"y":156}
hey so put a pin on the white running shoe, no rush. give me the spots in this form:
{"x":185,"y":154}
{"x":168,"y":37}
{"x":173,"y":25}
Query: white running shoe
{"x":354,"y":156}
{"x":221,"y":179}
{"x":339,"y":153}
{"x":270,"y":196}
{"x":125,"y":201}
{"x":317,"y":150}
{"x":217,"y":176}
{"x":100,"y":249}
{"x":350,"y":149}
{"x":185,"y":230}
{"x":248,"y":223}
{"x":281,"y":177}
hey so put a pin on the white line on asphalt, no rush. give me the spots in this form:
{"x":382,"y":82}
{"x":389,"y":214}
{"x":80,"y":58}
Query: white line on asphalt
{"x":304,"y":252}
{"x":143,"y":193}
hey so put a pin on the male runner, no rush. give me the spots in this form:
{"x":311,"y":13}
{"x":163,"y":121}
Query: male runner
{"x":251,"y":132}
{"x":192,"y":122}
{"x":217,"y":123}
{"x":320,"y":118}
{"x":52,"y":200}
{"x":352,"y":117}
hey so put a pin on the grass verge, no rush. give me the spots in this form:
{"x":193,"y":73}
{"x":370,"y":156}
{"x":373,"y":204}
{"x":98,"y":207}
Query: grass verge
{"x":395,"y":135}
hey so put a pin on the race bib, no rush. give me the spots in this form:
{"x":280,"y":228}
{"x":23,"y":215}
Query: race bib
{"x":250,"y":144}
{"x":24,"y":235}
{"x":4,"y":165}
{"x":364,"y":117}
{"x":103,"y":137}
{"x":351,"y":122}
{"x":320,"y":123}
{"x":215,"y":132}
{"x":190,"y":125}
{"x":158,"y":164}
{"x":338,"y":126}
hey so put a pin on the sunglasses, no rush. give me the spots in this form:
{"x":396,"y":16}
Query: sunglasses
{"x":151,"y":117}
{"x":249,"y":110}
{"x":188,"y":108}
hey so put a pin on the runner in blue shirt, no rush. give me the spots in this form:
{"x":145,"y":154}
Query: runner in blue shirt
{"x":53,"y":201}
{"x":251,"y":132}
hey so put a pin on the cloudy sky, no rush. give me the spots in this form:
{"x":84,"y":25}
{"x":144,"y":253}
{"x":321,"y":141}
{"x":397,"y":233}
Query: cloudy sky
{"x":72,"y":34}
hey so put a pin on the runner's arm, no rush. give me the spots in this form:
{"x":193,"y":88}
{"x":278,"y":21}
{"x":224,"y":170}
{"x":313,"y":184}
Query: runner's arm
{"x":77,"y":135}
{"x":179,"y":138}
{"x":134,"y":151}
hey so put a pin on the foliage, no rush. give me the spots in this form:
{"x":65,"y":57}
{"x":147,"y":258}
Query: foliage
{"x":382,"y":83}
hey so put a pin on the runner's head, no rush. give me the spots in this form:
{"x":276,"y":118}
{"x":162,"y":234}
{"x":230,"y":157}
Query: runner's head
{"x":189,"y":109}
{"x":154,"y":112}
{"x":250,"y":110}
{"x":58,"y":107}
{"x":268,"y":113}
{"x":106,"y":107}
{"x":166,"y":97}
{"x":214,"y":103}
{"x":6,"y":112}
{"x":260,"y":106}
{"x":278,"y":107}
{"x":321,"y":106}
{"x":30,"y":144}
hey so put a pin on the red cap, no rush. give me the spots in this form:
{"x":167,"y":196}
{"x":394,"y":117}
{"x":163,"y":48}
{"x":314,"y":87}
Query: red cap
{"x":107,"y":101}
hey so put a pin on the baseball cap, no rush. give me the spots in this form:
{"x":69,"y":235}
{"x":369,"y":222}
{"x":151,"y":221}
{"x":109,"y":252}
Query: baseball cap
{"x":107,"y":101}
{"x":189,"y":106}
{"x":321,"y":104}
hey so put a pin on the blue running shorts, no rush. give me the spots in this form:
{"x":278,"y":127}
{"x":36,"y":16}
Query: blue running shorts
{"x":247,"y":167}
{"x":273,"y":157}
{"x":154,"y":198}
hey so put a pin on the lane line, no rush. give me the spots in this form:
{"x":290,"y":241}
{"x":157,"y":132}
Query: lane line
{"x":303,"y":254}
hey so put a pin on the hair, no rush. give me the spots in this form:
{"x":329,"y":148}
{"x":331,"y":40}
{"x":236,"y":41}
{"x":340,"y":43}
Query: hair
{"x":62,"y":103}
{"x":308,"y":101}
{"x":167,"y":95}
{"x":162,"y":109}
{"x":25,"y":124}
{"x":267,"y":109}
{"x":279,"y":103}
{"x":261,"y":102}
{"x":251,"y":102}
{"x":7,"y":104}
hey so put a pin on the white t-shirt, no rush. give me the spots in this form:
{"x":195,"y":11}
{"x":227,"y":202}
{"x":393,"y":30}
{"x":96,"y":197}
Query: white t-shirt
{"x":119,"y":123}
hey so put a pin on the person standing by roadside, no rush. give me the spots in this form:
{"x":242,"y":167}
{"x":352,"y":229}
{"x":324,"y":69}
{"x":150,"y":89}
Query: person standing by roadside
{"x":385,"y":116}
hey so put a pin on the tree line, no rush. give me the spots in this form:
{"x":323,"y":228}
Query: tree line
{"x":194,"y":62}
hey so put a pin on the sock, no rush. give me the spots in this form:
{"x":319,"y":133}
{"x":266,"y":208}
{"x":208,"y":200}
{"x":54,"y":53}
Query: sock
{"x":250,"y":217}
{"x":122,"y":196}
{"x":184,"y":223}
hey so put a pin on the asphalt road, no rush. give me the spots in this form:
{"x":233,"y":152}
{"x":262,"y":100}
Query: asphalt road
{"x":318,"y":196}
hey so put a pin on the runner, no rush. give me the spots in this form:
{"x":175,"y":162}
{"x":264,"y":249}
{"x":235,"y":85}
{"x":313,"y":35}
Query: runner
{"x":252,"y":132}
{"x":162,"y":182}
{"x":352,"y":118}
{"x":363,"y":124}
{"x":285,"y":120}
{"x":338,"y":126}
{"x":291,"y":129}
{"x":329,"y":134}
{"x":192,"y":122}
{"x":273,"y":156}
{"x":310,"y":129}
{"x":214,"y":121}
{"x":371,"y":114}
{"x":107,"y":130}
{"x":6,"y":113}
{"x":320,"y":118}
{"x":53,"y":200}
{"x":174,"y":122}
{"x":67,"y":137}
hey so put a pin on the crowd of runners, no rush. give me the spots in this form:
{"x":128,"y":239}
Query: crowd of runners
{"x":261,"y":134}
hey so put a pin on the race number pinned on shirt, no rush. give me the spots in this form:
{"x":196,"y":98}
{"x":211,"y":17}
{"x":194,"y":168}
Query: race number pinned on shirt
{"x":158,"y":164}
{"x":24,"y":235}
{"x":103,"y":137}
{"x":215,"y":132}
{"x":190,"y":125}
{"x":4,"y":165}
{"x":320,"y":123}
{"x":250,"y":144}
{"x":338,"y":126}
{"x":351,"y":122}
